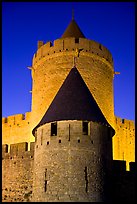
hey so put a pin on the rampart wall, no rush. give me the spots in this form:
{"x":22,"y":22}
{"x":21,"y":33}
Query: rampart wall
{"x":124,"y":141}
{"x":17,"y":163}
{"x":17,"y":172}
{"x":17,"y":128}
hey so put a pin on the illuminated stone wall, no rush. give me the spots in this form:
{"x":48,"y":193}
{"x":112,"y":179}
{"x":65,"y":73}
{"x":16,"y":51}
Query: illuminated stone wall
{"x":17,"y":128}
{"x":124,"y":141}
{"x":52,"y":63}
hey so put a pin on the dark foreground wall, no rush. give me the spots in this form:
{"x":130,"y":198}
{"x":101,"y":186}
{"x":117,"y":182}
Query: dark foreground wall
{"x":123,"y":182}
{"x":17,"y":176}
{"x":17,"y":172}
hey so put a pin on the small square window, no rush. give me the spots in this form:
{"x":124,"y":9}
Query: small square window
{"x":76,"y":40}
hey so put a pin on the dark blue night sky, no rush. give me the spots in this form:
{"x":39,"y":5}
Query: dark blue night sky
{"x":24,"y":23}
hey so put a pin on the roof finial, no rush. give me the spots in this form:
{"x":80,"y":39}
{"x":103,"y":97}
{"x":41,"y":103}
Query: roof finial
{"x":72,"y":13}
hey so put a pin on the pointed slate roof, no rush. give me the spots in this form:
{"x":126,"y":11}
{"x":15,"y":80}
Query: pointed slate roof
{"x":73,"y":30}
{"x":73,"y":102}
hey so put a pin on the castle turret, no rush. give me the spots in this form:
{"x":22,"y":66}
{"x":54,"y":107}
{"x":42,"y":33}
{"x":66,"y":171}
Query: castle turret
{"x":73,"y":148}
{"x":53,"y":61}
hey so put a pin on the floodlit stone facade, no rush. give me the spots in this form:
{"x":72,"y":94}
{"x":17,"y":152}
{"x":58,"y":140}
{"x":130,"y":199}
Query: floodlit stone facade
{"x":69,"y":166}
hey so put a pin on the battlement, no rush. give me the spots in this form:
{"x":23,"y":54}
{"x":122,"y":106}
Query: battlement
{"x":16,"y":119}
{"x":71,"y":44}
{"x":128,"y":124}
{"x":18,"y":149}
{"x":74,"y":134}
{"x":119,"y":167}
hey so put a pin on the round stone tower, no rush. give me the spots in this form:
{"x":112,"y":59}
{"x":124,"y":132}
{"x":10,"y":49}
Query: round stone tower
{"x":73,"y":148}
{"x":53,"y":61}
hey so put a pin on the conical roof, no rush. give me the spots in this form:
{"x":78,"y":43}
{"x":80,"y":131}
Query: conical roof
{"x":73,"y":30}
{"x":73,"y":102}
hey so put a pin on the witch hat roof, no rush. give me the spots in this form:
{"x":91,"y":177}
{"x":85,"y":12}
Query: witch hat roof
{"x":73,"y":101}
{"x":73,"y":30}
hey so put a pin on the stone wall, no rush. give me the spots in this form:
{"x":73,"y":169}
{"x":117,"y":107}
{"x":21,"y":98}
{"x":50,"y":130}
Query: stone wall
{"x":68,"y":158}
{"x":123,"y":182}
{"x":124,"y":141}
{"x":72,"y":166}
{"x":17,"y":128}
{"x":17,"y":172}
{"x":52,"y":63}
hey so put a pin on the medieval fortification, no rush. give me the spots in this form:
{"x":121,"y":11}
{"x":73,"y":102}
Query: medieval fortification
{"x":71,"y":146}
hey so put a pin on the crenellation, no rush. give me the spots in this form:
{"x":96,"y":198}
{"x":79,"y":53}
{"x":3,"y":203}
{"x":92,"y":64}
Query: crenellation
{"x":4,"y":120}
{"x":22,"y":147}
{"x":59,"y":44}
{"x":69,"y":133}
{"x":32,"y":145}
{"x":14,"y":149}
{"x":124,"y":123}
{"x":70,"y":44}
{"x":17,"y":150}
{"x":16,"y":119}
{"x":11,"y":120}
{"x":39,"y":44}
{"x":4,"y":148}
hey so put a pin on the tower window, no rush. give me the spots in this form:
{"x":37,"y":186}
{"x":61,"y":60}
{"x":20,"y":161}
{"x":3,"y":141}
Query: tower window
{"x":85,"y":128}
{"x":100,"y":47}
{"x":76,"y":40}
{"x":86,"y":179}
{"x":45,"y":180}
{"x":122,"y":120}
{"x":54,"y":129}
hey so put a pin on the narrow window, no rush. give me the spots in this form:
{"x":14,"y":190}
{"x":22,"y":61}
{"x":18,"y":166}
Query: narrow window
{"x":122,"y":120}
{"x":54,"y":129}
{"x":6,"y":148}
{"x":86,"y":179}
{"x":76,"y":40}
{"x":85,"y":128}
{"x":23,"y":117}
{"x":59,"y":141}
{"x":69,"y":133}
{"x":45,"y":187}
{"x":41,"y":136}
{"x":100,"y":47}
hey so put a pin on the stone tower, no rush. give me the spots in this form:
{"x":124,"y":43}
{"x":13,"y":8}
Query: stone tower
{"x":53,"y":61}
{"x":62,"y":149}
{"x":73,"y":149}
